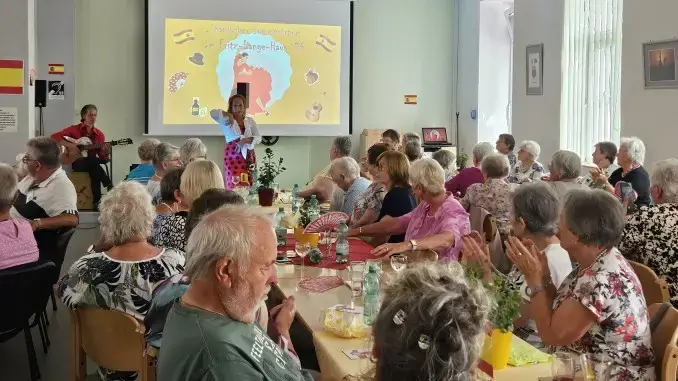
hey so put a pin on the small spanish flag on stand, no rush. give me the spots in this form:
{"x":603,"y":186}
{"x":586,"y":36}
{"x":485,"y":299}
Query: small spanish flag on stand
{"x":56,"y":69}
{"x":12,"y":77}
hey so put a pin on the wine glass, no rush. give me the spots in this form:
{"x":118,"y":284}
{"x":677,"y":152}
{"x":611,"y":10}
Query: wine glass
{"x":302,"y":249}
{"x":563,"y":366}
{"x":235,"y":180}
{"x":398,"y":262}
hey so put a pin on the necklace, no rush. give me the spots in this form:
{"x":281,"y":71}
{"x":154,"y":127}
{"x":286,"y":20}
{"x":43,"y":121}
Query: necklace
{"x":587,"y":268}
{"x":168,"y":207}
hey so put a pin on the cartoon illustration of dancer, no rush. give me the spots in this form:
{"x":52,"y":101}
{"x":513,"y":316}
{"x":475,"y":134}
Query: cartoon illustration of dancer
{"x":259,"y":79}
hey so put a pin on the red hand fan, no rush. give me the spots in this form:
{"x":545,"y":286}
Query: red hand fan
{"x":326,"y":222}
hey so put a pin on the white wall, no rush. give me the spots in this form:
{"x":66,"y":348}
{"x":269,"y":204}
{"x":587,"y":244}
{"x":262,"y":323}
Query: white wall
{"x":651,"y":115}
{"x":400,"y":47}
{"x":467,"y":40}
{"x":17,"y":28}
{"x":537,"y":117}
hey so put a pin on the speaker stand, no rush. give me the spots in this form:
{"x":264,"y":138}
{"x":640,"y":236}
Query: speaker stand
{"x":41,"y":122}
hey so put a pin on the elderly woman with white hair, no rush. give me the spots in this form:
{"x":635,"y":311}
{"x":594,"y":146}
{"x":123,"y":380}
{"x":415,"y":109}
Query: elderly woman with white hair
{"x":123,"y":277}
{"x":446,"y":160}
{"x":345,"y":172}
{"x":494,"y":195}
{"x":528,"y":168}
{"x":599,"y":309}
{"x":192,"y":149}
{"x":473,"y":175}
{"x":564,"y":172}
{"x":438,"y":223}
{"x":17,"y":243}
{"x":651,"y":234}
{"x":143,"y":172}
{"x":630,"y":158}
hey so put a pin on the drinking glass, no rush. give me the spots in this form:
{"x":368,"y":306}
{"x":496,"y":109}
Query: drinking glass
{"x":563,"y":366}
{"x":298,"y":202}
{"x":302,"y":249}
{"x":356,"y":275}
{"x":235,"y":180}
{"x":398,"y":262}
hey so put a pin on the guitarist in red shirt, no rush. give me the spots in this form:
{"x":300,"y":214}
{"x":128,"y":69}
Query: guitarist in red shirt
{"x":95,"y":157}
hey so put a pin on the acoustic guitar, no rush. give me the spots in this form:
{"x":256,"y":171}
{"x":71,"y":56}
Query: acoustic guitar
{"x":74,"y":151}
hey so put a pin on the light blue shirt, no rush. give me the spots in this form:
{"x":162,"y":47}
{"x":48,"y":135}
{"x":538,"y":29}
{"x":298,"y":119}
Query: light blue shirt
{"x":357,"y":188}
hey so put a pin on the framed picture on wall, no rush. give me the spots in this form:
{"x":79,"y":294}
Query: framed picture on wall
{"x":659,"y":64}
{"x":534,"y":81}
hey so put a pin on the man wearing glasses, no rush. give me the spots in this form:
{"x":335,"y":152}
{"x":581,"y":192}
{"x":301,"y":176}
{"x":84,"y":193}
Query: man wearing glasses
{"x":46,"y":197}
{"x":166,"y":156}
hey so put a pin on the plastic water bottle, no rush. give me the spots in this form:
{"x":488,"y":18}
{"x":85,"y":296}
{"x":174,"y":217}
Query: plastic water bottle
{"x":314,"y":209}
{"x":342,"y":242}
{"x":280,"y":230}
{"x":372,"y":299}
{"x":252,"y":197}
{"x":295,"y":195}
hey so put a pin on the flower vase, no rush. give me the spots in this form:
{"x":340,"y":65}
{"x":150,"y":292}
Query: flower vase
{"x":500,"y":348}
{"x":266,"y":196}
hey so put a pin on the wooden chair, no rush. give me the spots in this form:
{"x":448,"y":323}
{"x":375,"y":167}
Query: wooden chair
{"x":664,"y":340}
{"x":420,"y":256}
{"x":655,"y":289}
{"x":113,"y":340}
{"x":483,"y":222}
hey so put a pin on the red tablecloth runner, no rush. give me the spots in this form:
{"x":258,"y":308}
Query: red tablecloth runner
{"x":358,"y":250}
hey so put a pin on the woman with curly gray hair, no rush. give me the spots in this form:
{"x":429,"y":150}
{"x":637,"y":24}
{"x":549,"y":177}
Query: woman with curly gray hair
{"x":430,"y":325}
{"x":528,"y":168}
{"x":630,"y":157}
{"x":123,"y":277}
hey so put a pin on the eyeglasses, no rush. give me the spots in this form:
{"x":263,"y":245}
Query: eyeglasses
{"x":27,"y":159}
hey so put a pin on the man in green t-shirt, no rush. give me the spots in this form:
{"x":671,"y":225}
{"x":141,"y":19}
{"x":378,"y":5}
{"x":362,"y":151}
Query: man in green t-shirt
{"x":210,"y":333}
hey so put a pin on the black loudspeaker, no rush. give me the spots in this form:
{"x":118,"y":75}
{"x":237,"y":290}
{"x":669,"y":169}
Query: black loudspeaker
{"x":243,"y":88}
{"x":40,"y":93}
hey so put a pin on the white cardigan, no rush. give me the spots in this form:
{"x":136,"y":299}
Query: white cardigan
{"x":232,"y":132}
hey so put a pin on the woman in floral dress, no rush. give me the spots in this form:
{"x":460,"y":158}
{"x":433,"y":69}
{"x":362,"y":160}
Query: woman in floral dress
{"x":528,"y":168}
{"x":599,"y":309}
{"x":241,"y":135}
{"x":122,"y":278}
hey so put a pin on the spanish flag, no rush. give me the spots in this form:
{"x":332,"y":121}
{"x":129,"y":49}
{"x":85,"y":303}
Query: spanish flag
{"x":12,"y":77}
{"x":410,"y":99}
{"x":56,"y":69}
{"x":183,"y":36}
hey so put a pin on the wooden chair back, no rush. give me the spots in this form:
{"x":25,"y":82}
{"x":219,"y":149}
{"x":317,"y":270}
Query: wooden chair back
{"x":655,"y":289}
{"x":665,"y":340}
{"x":112,"y":339}
{"x":484,"y":223}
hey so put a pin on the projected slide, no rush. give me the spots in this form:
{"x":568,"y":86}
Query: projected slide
{"x":293,"y":71}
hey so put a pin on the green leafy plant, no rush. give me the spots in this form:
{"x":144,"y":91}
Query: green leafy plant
{"x":462,"y":159}
{"x":270,"y":169}
{"x":505,"y":294}
{"x":304,"y":217}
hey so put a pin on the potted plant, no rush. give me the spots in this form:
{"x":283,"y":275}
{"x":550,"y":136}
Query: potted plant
{"x":505,"y":310}
{"x":462,"y":159}
{"x":302,"y":221}
{"x":268,"y":171}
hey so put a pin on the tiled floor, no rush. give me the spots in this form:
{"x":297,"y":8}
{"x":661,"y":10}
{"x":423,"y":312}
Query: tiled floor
{"x":56,"y":364}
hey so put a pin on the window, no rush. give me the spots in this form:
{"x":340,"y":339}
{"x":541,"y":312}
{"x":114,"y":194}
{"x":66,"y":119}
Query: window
{"x":591,"y":75}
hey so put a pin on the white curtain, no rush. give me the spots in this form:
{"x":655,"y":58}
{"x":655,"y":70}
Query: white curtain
{"x":591,"y":75}
{"x":494,"y":69}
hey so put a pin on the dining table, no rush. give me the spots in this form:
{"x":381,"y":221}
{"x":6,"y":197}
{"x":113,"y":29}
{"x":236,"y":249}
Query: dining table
{"x":332,"y":361}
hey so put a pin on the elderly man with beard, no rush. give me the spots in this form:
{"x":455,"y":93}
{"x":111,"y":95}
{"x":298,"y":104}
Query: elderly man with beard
{"x":211,"y":333}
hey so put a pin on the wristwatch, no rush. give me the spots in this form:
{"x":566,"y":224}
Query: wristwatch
{"x":414,"y":244}
{"x":531,"y":291}
{"x":38,"y":223}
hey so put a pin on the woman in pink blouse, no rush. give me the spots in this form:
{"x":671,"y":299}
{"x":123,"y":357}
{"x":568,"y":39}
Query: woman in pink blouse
{"x":438,"y":223}
{"x":17,"y":244}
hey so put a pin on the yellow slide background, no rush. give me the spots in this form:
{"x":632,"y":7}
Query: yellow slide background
{"x":209,"y":38}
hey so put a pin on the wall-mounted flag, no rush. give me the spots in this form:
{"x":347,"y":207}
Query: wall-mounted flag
{"x":56,"y":69}
{"x":410,"y":99}
{"x":12,"y":77}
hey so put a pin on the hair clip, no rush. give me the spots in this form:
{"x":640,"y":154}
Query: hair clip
{"x":424,"y":342}
{"x":399,"y":317}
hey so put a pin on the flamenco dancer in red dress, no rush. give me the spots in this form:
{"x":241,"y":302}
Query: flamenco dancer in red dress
{"x":260,"y":83}
{"x":241,"y":135}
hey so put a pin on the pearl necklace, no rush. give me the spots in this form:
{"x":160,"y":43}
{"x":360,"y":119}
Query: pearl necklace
{"x":587,"y":268}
